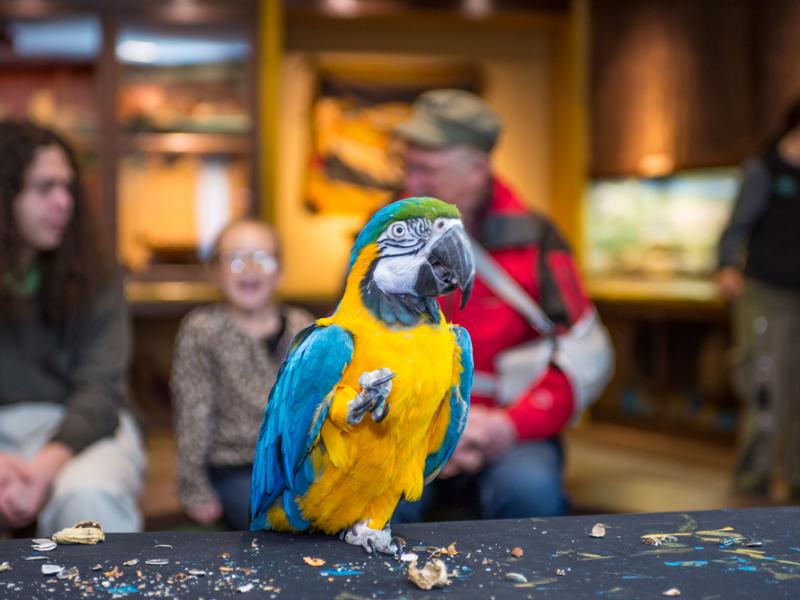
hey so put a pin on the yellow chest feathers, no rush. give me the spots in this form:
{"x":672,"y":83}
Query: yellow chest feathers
{"x":421,"y":358}
{"x":365,"y":469}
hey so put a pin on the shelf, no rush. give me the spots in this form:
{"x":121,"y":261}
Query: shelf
{"x":690,"y":293}
{"x":171,"y":292}
{"x":187,"y":143}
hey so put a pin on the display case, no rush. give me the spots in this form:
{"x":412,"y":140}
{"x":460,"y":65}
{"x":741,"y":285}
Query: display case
{"x":186,"y":156}
{"x":49,"y":73}
{"x":649,"y":255}
{"x":160,"y":98}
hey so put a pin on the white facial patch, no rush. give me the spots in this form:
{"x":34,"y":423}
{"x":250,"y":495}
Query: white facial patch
{"x":397,"y":274}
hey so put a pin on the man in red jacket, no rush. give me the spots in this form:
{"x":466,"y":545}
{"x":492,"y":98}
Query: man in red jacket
{"x":509,"y":460}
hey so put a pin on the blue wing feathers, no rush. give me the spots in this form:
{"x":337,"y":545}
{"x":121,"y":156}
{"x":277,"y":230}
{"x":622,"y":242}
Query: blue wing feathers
{"x":297,"y":407}
{"x":459,"y":407}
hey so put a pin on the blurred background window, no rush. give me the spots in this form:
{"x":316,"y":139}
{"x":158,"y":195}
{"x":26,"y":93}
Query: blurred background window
{"x":658,"y":227}
{"x":183,"y":105}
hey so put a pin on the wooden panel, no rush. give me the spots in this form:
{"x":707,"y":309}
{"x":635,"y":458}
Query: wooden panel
{"x":777,"y":67}
{"x":673,"y":78}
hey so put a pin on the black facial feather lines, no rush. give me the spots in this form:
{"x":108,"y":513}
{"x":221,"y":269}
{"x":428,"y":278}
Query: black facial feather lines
{"x":417,"y":232}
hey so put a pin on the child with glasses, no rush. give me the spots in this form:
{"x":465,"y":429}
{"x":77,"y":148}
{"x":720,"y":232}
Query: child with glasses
{"x":226,"y":361}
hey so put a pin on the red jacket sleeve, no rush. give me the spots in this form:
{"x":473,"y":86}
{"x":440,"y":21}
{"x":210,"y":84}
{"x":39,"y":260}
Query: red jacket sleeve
{"x":544,"y":410}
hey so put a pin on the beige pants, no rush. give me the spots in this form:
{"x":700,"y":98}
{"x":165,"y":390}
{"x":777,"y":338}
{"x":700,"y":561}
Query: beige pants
{"x":102,"y":483}
{"x":767,"y":377}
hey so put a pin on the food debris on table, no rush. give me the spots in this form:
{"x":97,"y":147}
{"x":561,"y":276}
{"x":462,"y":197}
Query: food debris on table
{"x":451,"y":550}
{"x":49,"y":569}
{"x":113,"y":573}
{"x":70,"y":573}
{"x":656,"y":539}
{"x":436,"y":551}
{"x":44,"y":545}
{"x":598,"y":531}
{"x":247,"y":566}
{"x":433,"y":574}
{"x":83,"y":532}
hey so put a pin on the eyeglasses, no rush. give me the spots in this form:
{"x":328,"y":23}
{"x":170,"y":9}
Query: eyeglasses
{"x":238,"y":260}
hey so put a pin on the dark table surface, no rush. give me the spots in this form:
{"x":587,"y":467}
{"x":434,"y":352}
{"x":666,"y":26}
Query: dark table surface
{"x":750,"y":553}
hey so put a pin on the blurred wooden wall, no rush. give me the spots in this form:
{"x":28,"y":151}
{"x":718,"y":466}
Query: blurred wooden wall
{"x":700,"y":82}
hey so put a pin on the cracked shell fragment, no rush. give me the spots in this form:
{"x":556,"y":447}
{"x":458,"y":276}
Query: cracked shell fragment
{"x":45,"y":546}
{"x":51,"y":569}
{"x":598,"y":531}
{"x":84,"y":532}
{"x":433,"y":574}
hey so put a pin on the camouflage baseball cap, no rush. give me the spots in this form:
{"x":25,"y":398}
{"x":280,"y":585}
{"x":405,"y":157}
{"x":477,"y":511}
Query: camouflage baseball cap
{"x":447,"y":117}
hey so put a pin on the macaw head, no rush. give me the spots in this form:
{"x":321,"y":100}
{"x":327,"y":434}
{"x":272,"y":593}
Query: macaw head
{"x":418,"y":250}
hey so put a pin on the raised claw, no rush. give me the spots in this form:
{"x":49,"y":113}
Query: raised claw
{"x":380,"y":412}
{"x":375,"y":388}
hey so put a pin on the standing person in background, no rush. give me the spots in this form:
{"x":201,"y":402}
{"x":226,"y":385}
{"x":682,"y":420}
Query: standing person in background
{"x":510,"y":456}
{"x":226,"y":361}
{"x":70,"y":449}
{"x":759,"y":270}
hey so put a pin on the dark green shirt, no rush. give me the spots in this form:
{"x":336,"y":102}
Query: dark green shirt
{"x":80,"y":363}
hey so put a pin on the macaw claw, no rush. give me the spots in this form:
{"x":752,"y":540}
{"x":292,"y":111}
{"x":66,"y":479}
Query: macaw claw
{"x":400,"y":546}
{"x":375,"y":388}
{"x":372,"y":540}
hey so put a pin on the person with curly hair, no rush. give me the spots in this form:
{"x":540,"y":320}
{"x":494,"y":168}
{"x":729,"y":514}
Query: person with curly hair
{"x":70,"y":448}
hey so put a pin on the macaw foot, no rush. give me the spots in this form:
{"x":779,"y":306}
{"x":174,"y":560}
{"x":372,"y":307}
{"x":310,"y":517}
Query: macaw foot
{"x":372,"y":540}
{"x":375,"y":388}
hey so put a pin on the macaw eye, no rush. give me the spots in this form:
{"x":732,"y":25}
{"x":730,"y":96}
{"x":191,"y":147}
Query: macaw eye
{"x":439,"y":224}
{"x":397,"y":230}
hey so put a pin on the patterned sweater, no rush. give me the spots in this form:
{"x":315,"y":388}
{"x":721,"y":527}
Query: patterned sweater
{"x":221,"y":378}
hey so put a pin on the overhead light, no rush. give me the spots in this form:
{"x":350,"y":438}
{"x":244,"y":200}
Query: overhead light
{"x":656,"y":164}
{"x":344,"y":8}
{"x":477,"y":8}
{"x":137,"y":51}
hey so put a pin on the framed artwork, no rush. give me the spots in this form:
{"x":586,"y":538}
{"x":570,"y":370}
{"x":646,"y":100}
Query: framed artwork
{"x":354,"y":167}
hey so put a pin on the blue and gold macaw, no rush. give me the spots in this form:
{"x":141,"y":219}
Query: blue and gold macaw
{"x":388,"y":351}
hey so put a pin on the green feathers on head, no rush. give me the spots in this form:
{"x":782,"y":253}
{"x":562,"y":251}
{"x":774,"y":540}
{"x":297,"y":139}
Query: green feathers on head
{"x":408,"y":208}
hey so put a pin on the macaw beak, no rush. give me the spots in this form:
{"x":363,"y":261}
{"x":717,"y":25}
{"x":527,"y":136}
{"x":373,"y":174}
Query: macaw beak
{"x":450,"y":265}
